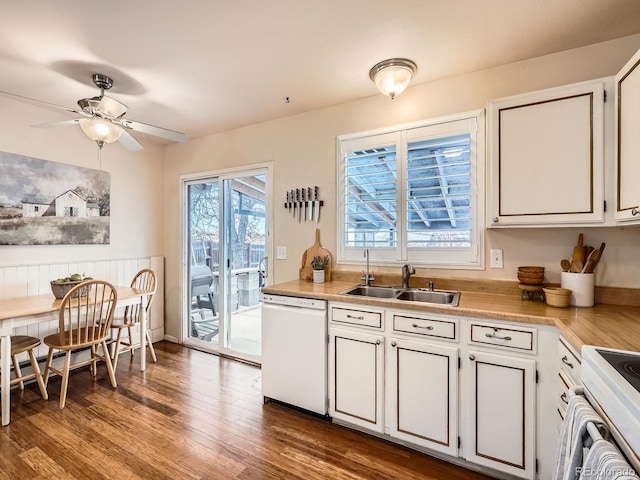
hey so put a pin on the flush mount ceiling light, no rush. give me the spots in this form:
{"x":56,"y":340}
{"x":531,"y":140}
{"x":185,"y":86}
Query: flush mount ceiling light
{"x":392,"y":76}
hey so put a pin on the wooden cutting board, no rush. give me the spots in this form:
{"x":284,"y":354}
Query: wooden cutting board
{"x":306,"y":272}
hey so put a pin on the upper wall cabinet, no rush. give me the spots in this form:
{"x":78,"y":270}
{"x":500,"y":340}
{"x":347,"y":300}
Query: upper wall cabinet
{"x":627,"y":122}
{"x":546,"y":157}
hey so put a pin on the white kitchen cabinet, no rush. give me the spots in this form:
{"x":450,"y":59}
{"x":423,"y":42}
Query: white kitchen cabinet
{"x":356,"y":378}
{"x":397,"y":373}
{"x":546,"y":157}
{"x":627,"y":123}
{"x":422,"y":392}
{"x":501,"y":405}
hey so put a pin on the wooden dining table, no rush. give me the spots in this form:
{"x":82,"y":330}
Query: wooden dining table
{"x":28,"y":310}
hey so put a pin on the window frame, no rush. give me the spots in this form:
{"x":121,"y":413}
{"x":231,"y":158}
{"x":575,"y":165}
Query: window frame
{"x":401,"y":135}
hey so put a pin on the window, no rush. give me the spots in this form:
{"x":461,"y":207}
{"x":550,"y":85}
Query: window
{"x":413,"y":194}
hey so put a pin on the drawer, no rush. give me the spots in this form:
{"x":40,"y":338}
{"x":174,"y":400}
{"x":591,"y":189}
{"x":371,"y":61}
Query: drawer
{"x":429,"y":327}
{"x":362,"y":318}
{"x":570,"y":363}
{"x":511,"y":338}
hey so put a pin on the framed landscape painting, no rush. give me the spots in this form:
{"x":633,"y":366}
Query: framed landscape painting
{"x":50,"y":203}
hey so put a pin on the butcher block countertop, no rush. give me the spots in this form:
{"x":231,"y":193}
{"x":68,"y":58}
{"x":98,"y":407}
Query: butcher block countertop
{"x":604,"y":325}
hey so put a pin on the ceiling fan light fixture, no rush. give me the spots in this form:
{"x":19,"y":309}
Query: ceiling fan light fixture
{"x":392,"y":76}
{"x":100,"y":130}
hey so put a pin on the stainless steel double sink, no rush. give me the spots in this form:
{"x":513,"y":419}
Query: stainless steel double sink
{"x":439,"y":297}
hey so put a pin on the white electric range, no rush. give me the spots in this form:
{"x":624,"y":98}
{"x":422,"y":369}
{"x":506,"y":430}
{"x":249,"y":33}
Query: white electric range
{"x":611,"y":381}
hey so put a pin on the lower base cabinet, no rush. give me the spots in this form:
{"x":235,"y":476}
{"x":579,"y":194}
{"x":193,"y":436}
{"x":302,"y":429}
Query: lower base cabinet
{"x":356,"y":378}
{"x":463,"y":388}
{"x":501,"y":428}
{"x":423,"y":394}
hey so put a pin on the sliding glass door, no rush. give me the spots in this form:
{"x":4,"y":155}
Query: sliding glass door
{"x":226,"y":239}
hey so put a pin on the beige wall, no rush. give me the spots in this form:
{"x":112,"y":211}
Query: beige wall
{"x":137,"y":223}
{"x":302,"y":149}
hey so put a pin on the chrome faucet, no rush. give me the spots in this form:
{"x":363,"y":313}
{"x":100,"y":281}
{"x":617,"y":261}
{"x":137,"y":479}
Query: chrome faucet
{"x":366,"y":276}
{"x":407,"y":271}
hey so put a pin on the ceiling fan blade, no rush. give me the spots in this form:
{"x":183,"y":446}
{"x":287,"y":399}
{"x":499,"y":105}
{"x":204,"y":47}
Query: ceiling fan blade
{"x":127,"y":141}
{"x":39,"y":103}
{"x":155,"y":131}
{"x":63,"y":123}
{"x":111,"y":108}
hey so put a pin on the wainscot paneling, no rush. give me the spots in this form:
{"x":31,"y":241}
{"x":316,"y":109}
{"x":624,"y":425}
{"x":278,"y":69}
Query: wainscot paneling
{"x":18,"y":281}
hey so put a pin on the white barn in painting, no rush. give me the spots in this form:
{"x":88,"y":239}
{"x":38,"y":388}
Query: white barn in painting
{"x":68,"y":204}
{"x":37,"y":205}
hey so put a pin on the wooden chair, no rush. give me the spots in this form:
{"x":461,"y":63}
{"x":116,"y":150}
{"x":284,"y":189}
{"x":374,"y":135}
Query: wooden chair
{"x":144,"y":280}
{"x":21,"y":344}
{"x":83,"y":322}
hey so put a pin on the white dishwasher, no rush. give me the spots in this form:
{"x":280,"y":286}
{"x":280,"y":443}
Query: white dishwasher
{"x":294,"y":351}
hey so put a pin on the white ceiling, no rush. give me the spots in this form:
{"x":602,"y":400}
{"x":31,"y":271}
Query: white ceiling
{"x":205,"y":66}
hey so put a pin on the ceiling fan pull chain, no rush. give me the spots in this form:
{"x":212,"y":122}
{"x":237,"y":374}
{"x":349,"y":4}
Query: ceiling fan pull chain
{"x":100,"y":145}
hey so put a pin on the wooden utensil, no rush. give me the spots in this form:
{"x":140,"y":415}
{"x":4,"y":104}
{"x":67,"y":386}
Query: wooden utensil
{"x":316,"y":250}
{"x":587,"y":251}
{"x":589,"y":263}
{"x":594,"y":258}
{"x":565,"y":264}
{"x":577,"y":258}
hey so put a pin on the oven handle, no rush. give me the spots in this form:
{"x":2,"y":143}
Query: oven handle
{"x":577,"y":390}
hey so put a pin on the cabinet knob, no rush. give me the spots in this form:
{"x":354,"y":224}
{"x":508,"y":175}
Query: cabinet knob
{"x":563,"y":397}
{"x":393,"y":344}
{"x":495,"y":219}
{"x":472,"y":357}
{"x":378,"y":342}
{"x":635,"y":211}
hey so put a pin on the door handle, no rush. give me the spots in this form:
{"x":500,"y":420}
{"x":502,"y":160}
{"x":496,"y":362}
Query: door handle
{"x":264,"y":271}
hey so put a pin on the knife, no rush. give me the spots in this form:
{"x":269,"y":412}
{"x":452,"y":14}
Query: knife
{"x":309,"y":204}
{"x":294,"y":199}
{"x":298,"y":203}
{"x":303,"y":203}
{"x":288,"y":204}
{"x":292,"y":205}
{"x":316,"y":204}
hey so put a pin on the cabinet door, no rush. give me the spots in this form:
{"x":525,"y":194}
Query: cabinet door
{"x":356,"y":378}
{"x":546,"y":157}
{"x":627,"y":119}
{"x":501,"y":413}
{"x":423,"y":394}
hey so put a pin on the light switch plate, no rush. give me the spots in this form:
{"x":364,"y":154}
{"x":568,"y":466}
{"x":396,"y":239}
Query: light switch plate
{"x":496,"y":259}
{"x":281,"y":253}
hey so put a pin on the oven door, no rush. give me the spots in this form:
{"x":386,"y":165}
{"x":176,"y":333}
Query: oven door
{"x":585,"y":449}
{"x":613,"y":397}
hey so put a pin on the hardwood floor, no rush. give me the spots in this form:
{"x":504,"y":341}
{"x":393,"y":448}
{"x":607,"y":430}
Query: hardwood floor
{"x":192,"y":415}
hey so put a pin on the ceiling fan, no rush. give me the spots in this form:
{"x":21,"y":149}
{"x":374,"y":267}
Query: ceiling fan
{"x":103,"y":118}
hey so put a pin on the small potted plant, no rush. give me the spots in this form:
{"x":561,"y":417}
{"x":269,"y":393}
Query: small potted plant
{"x":318,"y":264}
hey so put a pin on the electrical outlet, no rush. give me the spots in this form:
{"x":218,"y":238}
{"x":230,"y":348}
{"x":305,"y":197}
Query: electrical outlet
{"x":281,"y":253}
{"x":496,"y":259}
